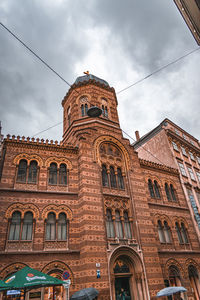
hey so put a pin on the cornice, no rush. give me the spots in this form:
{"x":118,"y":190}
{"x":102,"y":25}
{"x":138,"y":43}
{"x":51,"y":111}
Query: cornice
{"x":154,"y":165}
{"x":37,"y":191}
{"x":182,"y":140}
{"x":40,"y":252}
{"x":85,"y":83}
{"x":168,"y":206}
{"x":189,"y":252}
{"x":39,"y":144}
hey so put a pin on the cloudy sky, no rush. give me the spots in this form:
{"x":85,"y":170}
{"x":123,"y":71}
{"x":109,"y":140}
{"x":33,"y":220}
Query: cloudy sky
{"x":119,"y":41}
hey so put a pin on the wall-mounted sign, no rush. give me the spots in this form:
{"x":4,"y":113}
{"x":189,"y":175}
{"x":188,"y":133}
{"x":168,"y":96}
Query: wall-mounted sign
{"x":65,"y":275}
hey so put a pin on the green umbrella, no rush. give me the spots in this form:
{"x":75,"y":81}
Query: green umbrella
{"x":3,"y":285}
{"x":28,"y":278}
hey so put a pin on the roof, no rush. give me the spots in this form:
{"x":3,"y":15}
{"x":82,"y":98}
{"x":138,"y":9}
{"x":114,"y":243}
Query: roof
{"x":88,"y":77}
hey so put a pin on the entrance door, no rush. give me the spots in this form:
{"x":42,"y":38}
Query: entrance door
{"x":122,"y":288}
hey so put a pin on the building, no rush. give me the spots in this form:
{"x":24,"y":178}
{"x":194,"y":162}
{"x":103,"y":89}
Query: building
{"x":174,"y":147}
{"x":190,"y":11}
{"x":89,"y":209}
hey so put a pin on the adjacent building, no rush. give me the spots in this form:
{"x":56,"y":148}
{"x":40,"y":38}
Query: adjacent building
{"x":190,"y":11}
{"x":92,"y":210}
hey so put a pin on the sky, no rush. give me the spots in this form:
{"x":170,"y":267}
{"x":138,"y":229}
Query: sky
{"x":118,"y":41}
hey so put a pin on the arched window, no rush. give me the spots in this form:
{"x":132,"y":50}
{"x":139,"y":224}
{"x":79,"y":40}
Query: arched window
{"x":161,"y":232}
{"x":178,"y":230}
{"x":167,"y":233}
{"x":22,"y":170}
{"x":63,"y":174}
{"x":118,"y":223}
{"x":151,"y":190}
{"x":127,"y":226}
{"x":174,"y":276}
{"x":82,"y":110}
{"x":167,"y":192}
{"x":194,"y":281}
{"x":32,"y":173}
{"x":104,"y":176}
{"x":106,"y":112}
{"x":156,"y":188}
{"x":53,"y":173}
{"x":172,"y":192}
{"x":109,"y":224}
{"x":27,"y":227}
{"x":51,"y":227}
{"x":113,"y":182}
{"x":86,"y":109}
{"x":69,"y":115}
{"x":103,"y":111}
{"x":15,"y":226}
{"x":62,"y":227}
{"x":184,"y":234}
{"x":120,"y":179}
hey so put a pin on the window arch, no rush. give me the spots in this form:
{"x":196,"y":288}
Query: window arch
{"x":104,"y":176}
{"x":118,"y":223}
{"x":53,"y":173}
{"x":32,"y":172}
{"x":56,"y":230}
{"x":109,"y":224}
{"x":174,"y":276}
{"x":22,"y":171}
{"x":21,"y":229}
{"x":113,"y":182}
{"x":127,"y":226}
{"x":120,"y":179}
{"x":164,"y":232}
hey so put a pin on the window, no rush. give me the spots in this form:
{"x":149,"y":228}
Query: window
{"x":104,"y":111}
{"x":182,"y":233}
{"x":62,"y":227}
{"x":27,"y":227}
{"x":84,"y":110}
{"x":167,"y":192}
{"x":109,"y":224}
{"x":21,"y":229}
{"x":15,"y":225}
{"x":185,"y":137}
{"x":164,"y":232}
{"x":172,"y":192}
{"x":151,"y":190}
{"x":177,"y":131}
{"x":127,"y":226}
{"x":191,"y":173}
{"x":175,"y":146}
{"x":32,"y":173}
{"x":57,"y":176}
{"x":120,"y":179}
{"x":56,"y":229}
{"x":198,"y":175}
{"x":118,"y":223}
{"x":51,"y":227}
{"x":113,"y":182}
{"x":191,"y":155}
{"x":104,"y":176}
{"x":69,"y":116}
{"x":22,"y":170}
{"x":194,"y":279}
{"x":183,"y":151}
{"x":63,"y":174}
{"x":174,"y":276}
{"x":157,"y":190}
{"x":182,"y":169}
{"x":53,"y":173}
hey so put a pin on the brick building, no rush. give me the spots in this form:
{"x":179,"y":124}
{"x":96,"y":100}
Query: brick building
{"x":90,"y":208}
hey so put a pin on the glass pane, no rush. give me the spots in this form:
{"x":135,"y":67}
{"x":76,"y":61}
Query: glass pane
{"x":119,"y":230}
{"x":53,"y":174}
{"x":32,"y":174}
{"x":113,"y":182}
{"x":120,"y":179}
{"x":104,"y":176}
{"x":151,"y":191}
{"x":63,"y":174}
{"x":22,"y":169}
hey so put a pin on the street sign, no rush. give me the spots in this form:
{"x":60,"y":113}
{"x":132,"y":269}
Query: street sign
{"x":65,"y":275}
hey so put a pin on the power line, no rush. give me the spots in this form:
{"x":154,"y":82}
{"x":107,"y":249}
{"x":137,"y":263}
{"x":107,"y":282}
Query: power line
{"x":47,"y":128}
{"x":160,"y":69}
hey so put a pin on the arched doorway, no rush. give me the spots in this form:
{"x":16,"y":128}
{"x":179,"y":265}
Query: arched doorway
{"x":127,"y":276}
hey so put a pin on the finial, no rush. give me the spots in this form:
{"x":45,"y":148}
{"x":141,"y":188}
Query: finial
{"x":86,"y":72}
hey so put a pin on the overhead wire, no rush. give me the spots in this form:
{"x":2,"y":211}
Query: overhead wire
{"x":56,"y":73}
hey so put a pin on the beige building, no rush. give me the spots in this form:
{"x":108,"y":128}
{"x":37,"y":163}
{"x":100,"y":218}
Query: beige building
{"x":172,"y":146}
{"x":190,"y":11}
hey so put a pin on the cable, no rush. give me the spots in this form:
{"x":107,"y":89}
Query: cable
{"x":47,"y":129}
{"x":158,"y":70}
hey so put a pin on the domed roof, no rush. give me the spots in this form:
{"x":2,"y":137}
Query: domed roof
{"x":90,"y":77}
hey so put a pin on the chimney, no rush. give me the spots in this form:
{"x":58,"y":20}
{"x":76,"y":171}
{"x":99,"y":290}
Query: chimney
{"x":137,"y":135}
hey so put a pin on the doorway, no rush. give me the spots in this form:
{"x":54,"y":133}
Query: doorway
{"x":122,"y":284}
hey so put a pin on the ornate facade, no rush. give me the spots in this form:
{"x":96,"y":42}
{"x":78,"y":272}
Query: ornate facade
{"x":89,"y":208}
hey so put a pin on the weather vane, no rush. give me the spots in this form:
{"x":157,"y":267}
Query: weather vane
{"x":86,"y":72}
